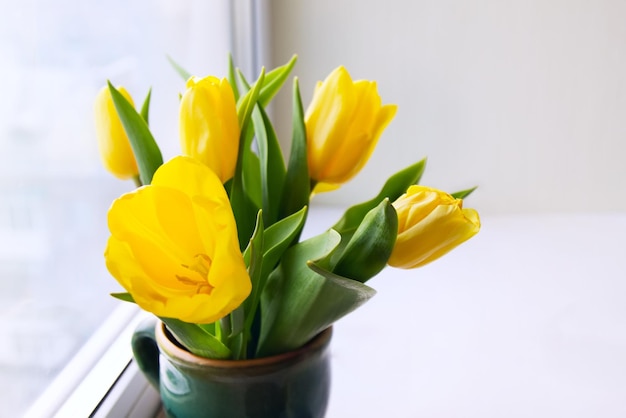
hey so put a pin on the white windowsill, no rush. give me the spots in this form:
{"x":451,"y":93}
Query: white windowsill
{"x":101,"y":380}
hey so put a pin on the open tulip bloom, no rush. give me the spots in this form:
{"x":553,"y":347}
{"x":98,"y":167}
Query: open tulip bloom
{"x":210,"y":241}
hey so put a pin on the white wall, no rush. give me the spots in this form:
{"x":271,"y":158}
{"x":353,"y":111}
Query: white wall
{"x":526,"y":98}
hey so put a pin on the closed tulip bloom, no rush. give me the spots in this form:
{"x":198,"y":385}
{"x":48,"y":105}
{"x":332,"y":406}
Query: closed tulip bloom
{"x":430,"y":223}
{"x":209,"y":128}
{"x":115,"y":150}
{"x":174,"y":245}
{"x":343,"y":124}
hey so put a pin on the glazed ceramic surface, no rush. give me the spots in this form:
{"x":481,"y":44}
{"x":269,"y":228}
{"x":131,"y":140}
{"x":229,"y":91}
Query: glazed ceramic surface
{"x":290,"y":385}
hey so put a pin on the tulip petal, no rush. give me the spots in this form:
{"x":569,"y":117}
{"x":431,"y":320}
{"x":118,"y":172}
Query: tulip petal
{"x":174,"y":245}
{"x":209,"y":127}
{"x":113,"y":144}
{"x":431,"y":223}
{"x":343,"y":122}
{"x":191,"y":178}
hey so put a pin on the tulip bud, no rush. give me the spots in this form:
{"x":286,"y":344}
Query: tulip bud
{"x":115,"y":150}
{"x":368,"y":250}
{"x":209,"y":128}
{"x":430,"y":223}
{"x":343,"y":124}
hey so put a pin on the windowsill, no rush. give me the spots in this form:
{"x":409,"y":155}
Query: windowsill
{"x":92,"y":380}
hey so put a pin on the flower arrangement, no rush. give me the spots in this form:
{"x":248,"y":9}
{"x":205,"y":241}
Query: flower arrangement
{"x":210,"y":243}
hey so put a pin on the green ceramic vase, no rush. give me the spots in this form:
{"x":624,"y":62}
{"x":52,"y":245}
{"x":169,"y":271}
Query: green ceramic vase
{"x":290,"y":385}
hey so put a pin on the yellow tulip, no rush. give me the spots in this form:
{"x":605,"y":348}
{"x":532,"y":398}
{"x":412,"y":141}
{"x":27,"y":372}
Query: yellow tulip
{"x":174,"y":245}
{"x":115,"y":150}
{"x":343,"y":124}
{"x":209,"y":128}
{"x":430,"y":223}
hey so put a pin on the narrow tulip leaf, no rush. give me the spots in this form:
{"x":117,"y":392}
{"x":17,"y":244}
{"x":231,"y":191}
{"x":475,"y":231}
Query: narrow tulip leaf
{"x":209,"y":328}
{"x":125,"y":296}
{"x":237,"y":321}
{"x":276,"y":240}
{"x":232,"y":80}
{"x":271,"y":158}
{"x":297,"y":189}
{"x":242,"y":195}
{"x":370,"y":247}
{"x":279,"y":237}
{"x":145,"y":149}
{"x":180,"y":70}
{"x":225,"y":328}
{"x":395,"y":186}
{"x":274,"y":80}
{"x":251,"y":178}
{"x":237,"y":346}
{"x":195,"y":339}
{"x":241,"y":201}
{"x":272,"y":164}
{"x":299,"y":302}
{"x":145,"y":108}
{"x":254,"y":261}
{"x":237,"y":338}
{"x":246,"y":103}
{"x":463,"y":193}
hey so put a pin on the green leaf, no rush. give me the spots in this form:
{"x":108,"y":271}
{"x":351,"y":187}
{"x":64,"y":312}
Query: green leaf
{"x":395,"y":186}
{"x":180,"y":70}
{"x":240,"y":198}
{"x":237,"y":321}
{"x":370,"y":247}
{"x":276,"y":240}
{"x":144,"y":147}
{"x":254,"y":260}
{"x":251,"y":177}
{"x":278,"y":237}
{"x":272,"y":164}
{"x":463,"y":193}
{"x":145,"y":108}
{"x":270,"y":155}
{"x":244,"y":195}
{"x":246,"y":104}
{"x":262,"y":257}
{"x":196,"y":339}
{"x":232,"y":80}
{"x":125,"y":296}
{"x":297,"y":189}
{"x":298,"y":302}
{"x":274,"y":80}
{"x":237,"y":338}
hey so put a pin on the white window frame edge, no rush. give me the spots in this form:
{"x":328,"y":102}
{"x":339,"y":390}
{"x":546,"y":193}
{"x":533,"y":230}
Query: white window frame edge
{"x":103,"y":380}
{"x":93,"y":369}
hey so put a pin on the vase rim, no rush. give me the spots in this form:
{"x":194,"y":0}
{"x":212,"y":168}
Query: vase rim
{"x":174,"y":351}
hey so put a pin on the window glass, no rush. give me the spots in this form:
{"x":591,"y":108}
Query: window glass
{"x":54,"y":193}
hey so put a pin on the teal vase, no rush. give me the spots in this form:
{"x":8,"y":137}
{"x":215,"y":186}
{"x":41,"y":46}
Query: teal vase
{"x":290,"y":385}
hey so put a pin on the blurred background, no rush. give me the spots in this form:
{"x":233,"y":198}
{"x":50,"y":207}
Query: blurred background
{"x":524,"y":98}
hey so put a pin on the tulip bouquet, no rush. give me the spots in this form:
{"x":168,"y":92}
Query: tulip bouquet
{"x":210,"y":240}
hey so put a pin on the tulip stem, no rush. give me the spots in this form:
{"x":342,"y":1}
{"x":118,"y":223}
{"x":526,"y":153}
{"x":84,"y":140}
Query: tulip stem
{"x":137,"y":181}
{"x":218,"y":331}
